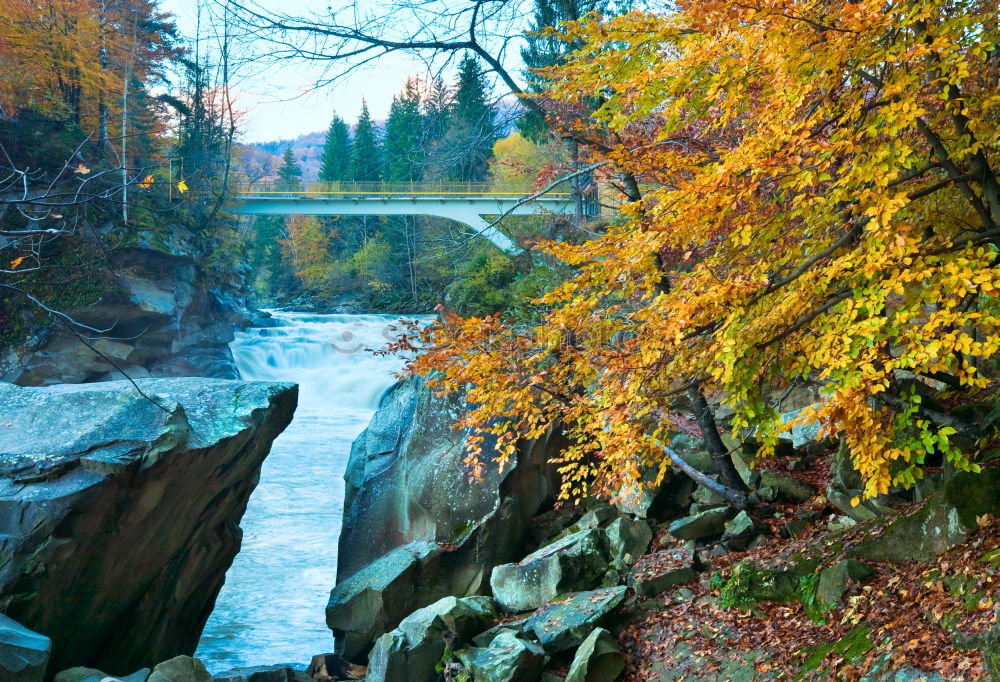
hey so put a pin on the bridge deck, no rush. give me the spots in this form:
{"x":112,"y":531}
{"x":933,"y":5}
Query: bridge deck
{"x":394,"y":190}
{"x":466,"y":203}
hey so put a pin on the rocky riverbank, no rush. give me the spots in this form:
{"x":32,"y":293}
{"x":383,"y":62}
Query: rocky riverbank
{"x":669,"y":584}
{"x":121,"y":515}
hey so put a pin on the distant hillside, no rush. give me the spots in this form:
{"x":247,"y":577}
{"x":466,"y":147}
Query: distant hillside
{"x":307,"y":149}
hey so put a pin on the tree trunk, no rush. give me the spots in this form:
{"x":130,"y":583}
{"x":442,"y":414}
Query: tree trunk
{"x":713,"y":443}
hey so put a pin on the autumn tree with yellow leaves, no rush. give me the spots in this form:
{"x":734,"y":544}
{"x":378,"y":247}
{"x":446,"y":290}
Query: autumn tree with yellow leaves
{"x":809,"y":199}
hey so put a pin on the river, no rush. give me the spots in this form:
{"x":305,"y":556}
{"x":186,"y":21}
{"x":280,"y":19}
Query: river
{"x":271,"y":609}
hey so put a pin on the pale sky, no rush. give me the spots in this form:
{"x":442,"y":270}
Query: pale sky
{"x":284,"y":102}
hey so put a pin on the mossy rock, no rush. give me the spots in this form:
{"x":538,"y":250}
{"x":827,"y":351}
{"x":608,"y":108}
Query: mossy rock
{"x":749,"y":584}
{"x":943,"y":522}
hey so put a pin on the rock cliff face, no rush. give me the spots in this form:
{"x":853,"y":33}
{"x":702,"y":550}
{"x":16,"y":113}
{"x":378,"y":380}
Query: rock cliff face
{"x":406,"y":482}
{"x":119,"y":515}
{"x":407,"y":485}
{"x":165,"y":316}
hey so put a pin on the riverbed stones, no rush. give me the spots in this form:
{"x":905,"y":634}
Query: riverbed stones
{"x":597,"y":659}
{"x":412,"y":650}
{"x":84,"y":674}
{"x":265,"y":673}
{"x":508,"y":658}
{"x":125,"y":508}
{"x":566,"y":622}
{"x":24,"y":654}
{"x":577,"y":562}
{"x":180,"y":669}
{"x":704,"y":524}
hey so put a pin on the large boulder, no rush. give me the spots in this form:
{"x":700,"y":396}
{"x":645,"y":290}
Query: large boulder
{"x":375,"y":599}
{"x":658,"y":572}
{"x":84,"y":674}
{"x":566,"y":622}
{"x":944,"y":521}
{"x":628,"y":539}
{"x":834,"y":580}
{"x":180,"y":669}
{"x":407,"y":481}
{"x":703,"y":524}
{"x":577,"y":562}
{"x":24,"y":654}
{"x":412,"y":651}
{"x":508,"y":658}
{"x":845,"y":486}
{"x":597,"y":659}
{"x":647,"y":499}
{"x":774,"y":486}
{"x":121,"y":509}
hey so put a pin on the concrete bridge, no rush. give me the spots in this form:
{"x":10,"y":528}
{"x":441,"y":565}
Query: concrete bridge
{"x":466,"y":203}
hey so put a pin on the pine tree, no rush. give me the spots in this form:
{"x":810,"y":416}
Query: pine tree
{"x":472,"y":128}
{"x":544,"y":50}
{"x":336,"y":161}
{"x":289,"y":172}
{"x":402,"y":136}
{"x":436,"y":110}
{"x":366,"y":157}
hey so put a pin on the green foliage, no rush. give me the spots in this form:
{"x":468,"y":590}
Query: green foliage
{"x":289,"y":173}
{"x":336,"y":162}
{"x":402,"y":136}
{"x":851,"y":647}
{"x":472,"y":128}
{"x":813,"y":605}
{"x":483,"y":287}
{"x":366,"y":157}
{"x":738,"y":589}
{"x":542,"y":50}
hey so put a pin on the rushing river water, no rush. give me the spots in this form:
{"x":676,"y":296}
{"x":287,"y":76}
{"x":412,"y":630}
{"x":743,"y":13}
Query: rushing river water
{"x":271,"y":609}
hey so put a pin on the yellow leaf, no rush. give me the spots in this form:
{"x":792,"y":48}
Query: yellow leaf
{"x":182,"y":186}
{"x":82,"y":170}
{"x":17,"y":261}
{"x":147,"y":182}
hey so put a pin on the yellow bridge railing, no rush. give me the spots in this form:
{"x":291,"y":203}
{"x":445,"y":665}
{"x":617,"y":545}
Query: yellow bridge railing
{"x":387,"y":189}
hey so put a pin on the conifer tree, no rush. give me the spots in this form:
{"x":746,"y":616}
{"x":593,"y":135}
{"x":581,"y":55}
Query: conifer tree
{"x":336,"y":161}
{"x":436,"y":112}
{"x":366,"y":156}
{"x":402,"y":136}
{"x":472,"y":127}
{"x":545,"y":49}
{"x":289,"y":173}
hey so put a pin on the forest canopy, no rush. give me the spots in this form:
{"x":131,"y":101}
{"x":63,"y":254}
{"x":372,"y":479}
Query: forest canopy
{"x":810,"y":206}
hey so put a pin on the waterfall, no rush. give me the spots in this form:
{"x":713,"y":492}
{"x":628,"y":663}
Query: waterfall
{"x":271,"y":609}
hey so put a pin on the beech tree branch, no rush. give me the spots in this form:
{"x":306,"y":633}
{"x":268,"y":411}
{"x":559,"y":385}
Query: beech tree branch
{"x":734,"y":497}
